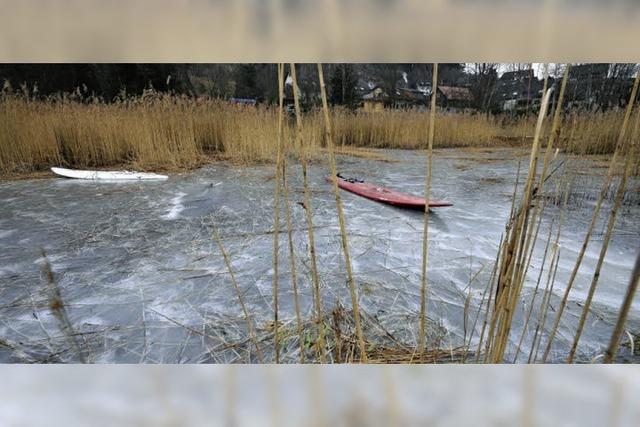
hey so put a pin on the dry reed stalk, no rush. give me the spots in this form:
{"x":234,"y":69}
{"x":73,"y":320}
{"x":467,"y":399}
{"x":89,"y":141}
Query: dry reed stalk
{"x":497,"y":304}
{"x":467,"y":303}
{"x":514,"y":234}
{"x":508,"y":228}
{"x":527,"y":245}
{"x":634,"y":280}
{"x":427,"y":195}
{"x":309,"y":216}
{"x":629,"y":156}
{"x":59,"y":310}
{"x":465,"y":315}
{"x":544,"y":306}
{"x":534,"y":239}
{"x":510,"y":289}
{"x":521,"y":276}
{"x":569,"y":145}
{"x":343,"y":228}
{"x":594,"y":218}
{"x":276,"y":211}
{"x":554,"y":133}
{"x":292,"y":259}
{"x":512,"y":211}
{"x":245,"y":311}
{"x":548,"y":290}
{"x":535,"y":291}
{"x":475,"y":321}
{"x":487,"y":311}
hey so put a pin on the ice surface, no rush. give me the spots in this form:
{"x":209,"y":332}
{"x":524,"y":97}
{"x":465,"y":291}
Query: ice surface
{"x":143,"y":279}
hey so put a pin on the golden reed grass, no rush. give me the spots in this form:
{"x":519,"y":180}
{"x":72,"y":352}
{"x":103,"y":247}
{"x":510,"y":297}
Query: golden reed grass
{"x":168,"y":132}
{"x":148,"y":132}
{"x":276,"y":211}
{"x":425,"y":233}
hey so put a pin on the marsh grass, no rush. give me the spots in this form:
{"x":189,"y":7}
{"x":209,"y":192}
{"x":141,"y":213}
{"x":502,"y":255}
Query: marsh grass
{"x":152,"y":132}
{"x":165,"y":132}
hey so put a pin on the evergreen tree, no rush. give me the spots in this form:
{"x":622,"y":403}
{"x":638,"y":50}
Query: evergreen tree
{"x":267,"y":83}
{"x":246,"y":81}
{"x":342,"y":85}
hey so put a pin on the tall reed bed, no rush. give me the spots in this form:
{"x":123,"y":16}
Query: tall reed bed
{"x":592,"y":132}
{"x":167,"y":132}
{"x":407,"y":129}
{"x":149,"y":132}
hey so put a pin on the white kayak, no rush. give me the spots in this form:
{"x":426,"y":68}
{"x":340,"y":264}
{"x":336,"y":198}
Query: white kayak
{"x":106,"y":175}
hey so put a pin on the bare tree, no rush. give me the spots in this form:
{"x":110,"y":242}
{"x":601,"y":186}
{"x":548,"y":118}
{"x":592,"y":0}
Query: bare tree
{"x":483,"y":82}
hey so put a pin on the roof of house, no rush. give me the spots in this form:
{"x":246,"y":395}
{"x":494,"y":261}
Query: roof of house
{"x":411,"y":94}
{"x":375,"y":93}
{"x":454,"y":93}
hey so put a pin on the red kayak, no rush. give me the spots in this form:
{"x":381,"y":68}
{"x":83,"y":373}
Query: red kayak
{"x":384,"y":195}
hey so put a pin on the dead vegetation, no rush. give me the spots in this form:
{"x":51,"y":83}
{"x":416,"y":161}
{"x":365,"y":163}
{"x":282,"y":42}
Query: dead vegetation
{"x":164,"y":132}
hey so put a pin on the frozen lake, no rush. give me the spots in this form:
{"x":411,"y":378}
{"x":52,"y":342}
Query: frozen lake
{"x":144,"y":281}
